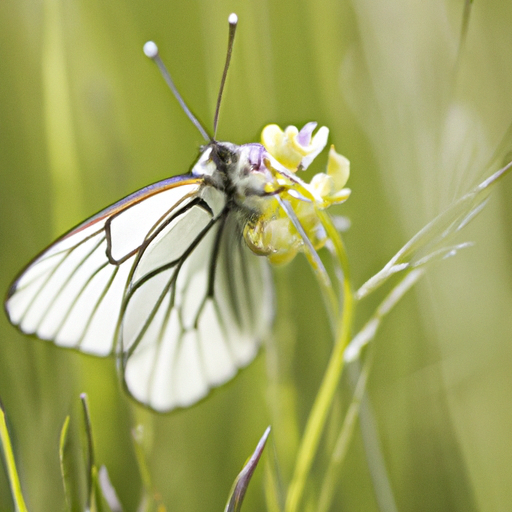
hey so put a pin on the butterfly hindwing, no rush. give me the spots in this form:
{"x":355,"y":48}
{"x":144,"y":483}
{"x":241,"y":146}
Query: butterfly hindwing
{"x":186,"y":328}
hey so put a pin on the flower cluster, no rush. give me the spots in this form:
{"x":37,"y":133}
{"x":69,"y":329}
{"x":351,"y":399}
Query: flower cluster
{"x":290,"y":214}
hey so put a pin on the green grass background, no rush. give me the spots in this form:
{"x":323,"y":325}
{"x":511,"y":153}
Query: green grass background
{"x":85,"y":119}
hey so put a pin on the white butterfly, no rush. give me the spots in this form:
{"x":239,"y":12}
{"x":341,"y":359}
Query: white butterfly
{"x":167,"y":279}
{"x":162,"y":279}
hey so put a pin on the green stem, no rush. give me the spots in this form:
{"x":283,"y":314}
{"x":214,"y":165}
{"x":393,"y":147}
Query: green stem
{"x":318,"y":416}
{"x":328,"y":295}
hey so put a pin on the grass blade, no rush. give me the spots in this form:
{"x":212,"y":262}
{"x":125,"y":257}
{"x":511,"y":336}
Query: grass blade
{"x":10,"y":464}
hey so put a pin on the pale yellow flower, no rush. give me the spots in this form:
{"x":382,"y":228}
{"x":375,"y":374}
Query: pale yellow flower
{"x":329,"y":186}
{"x":293,"y":148}
{"x":273,"y":233}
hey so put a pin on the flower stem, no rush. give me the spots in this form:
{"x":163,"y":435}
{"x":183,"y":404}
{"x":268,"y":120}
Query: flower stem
{"x":318,"y":416}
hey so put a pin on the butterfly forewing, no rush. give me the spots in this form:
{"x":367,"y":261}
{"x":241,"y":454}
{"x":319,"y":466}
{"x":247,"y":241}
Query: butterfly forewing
{"x":72,"y":292}
{"x":127,"y":229}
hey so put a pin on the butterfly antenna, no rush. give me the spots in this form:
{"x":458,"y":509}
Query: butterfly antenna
{"x":233,"y":21}
{"x":151,"y":51}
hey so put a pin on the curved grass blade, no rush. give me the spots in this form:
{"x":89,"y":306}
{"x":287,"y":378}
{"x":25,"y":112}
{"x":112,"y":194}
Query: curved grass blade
{"x":99,"y":502}
{"x":149,"y":497}
{"x":90,"y":466}
{"x":72,"y":475}
{"x":331,"y":478}
{"x":244,"y":477}
{"x":427,"y":243}
{"x":10,"y":464}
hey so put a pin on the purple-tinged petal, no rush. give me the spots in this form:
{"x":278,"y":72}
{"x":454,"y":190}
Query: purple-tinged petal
{"x":317,"y":145}
{"x":304,"y":136}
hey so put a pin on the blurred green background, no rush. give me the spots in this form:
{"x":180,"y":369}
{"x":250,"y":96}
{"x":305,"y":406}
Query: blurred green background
{"x":85,"y":119}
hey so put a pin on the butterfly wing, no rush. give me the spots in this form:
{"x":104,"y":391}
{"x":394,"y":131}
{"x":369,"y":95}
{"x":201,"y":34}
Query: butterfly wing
{"x":72,"y":292}
{"x":161,"y":278}
{"x":189,"y":325}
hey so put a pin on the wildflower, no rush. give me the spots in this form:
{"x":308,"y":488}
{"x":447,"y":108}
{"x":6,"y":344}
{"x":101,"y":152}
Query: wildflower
{"x":275,"y":233}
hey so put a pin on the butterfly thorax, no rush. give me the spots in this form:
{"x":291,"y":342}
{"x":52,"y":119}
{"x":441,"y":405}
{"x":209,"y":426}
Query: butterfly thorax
{"x":248,"y":177}
{"x":240,"y":172}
